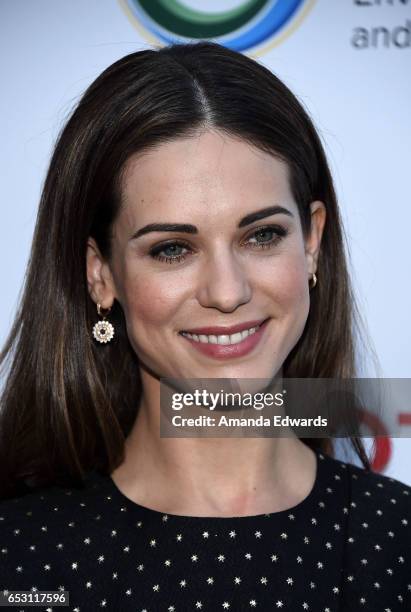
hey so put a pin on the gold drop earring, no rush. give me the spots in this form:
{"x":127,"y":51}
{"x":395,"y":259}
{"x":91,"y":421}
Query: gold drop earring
{"x":314,"y":279}
{"x":103,"y":331}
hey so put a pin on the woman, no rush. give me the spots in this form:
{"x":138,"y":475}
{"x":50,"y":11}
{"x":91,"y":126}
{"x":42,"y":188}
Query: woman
{"x":188,"y":199}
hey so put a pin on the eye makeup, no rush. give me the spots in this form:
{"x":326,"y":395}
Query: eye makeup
{"x":277,"y":232}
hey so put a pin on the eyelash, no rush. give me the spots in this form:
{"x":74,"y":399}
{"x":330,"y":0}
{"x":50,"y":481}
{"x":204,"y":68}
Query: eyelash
{"x":281,"y":233}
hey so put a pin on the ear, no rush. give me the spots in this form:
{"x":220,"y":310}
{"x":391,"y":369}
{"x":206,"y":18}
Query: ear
{"x":99,"y":277}
{"x":313,"y":242}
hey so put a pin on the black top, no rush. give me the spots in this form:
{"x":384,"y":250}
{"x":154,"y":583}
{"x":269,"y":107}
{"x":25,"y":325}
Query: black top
{"x":345,"y":547}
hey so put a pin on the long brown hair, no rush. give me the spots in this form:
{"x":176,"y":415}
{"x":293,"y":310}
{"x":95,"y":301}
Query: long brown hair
{"x":67,"y":404}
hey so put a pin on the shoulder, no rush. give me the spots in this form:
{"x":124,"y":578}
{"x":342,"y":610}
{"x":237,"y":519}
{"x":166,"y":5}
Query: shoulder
{"x":379,"y":494}
{"x":40,"y":530}
{"x":51,"y":502}
{"x":373,"y":501}
{"x":381,"y":507}
{"x":369,"y":489}
{"x":377,"y":541}
{"x":378,"y":510}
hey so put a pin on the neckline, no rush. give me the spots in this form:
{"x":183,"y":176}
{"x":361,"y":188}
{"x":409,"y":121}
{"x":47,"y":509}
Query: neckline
{"x":144,"y":511}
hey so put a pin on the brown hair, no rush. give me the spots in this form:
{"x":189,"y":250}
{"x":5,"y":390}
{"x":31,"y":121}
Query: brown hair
{"x":67,"y":404}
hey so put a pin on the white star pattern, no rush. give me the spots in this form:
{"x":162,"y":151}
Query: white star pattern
{"x":123,"y":556}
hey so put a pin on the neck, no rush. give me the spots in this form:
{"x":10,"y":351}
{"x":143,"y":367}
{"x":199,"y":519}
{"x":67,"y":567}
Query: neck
{"x":212,"y":476}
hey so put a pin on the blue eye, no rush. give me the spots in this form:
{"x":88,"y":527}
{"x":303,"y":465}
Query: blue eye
{"x":174,"y":252}
{"x":263,"y":238}
{"x":266,"y":239}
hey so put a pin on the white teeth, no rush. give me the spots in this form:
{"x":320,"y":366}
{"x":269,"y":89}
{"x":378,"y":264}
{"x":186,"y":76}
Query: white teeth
{"x":234,"y":338}
{"x":223,"y":339}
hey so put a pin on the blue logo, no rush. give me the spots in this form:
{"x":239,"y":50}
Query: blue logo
{"x":248,"y":25}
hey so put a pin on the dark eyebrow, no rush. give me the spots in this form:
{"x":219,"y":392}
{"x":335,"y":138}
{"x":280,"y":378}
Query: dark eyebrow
{"x":191,"y":229}
{"x":264,"y":212}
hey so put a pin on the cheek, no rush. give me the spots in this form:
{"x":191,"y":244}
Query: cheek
{"x":149,"y":300}
{"x":286,"y":280}
{"x":295,"y":285}
{"x":289,"y":300}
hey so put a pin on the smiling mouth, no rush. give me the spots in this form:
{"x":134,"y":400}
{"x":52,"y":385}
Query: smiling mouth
{"x":223,"y":339}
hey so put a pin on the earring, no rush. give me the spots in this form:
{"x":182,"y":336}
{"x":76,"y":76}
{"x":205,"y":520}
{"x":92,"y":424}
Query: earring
{"x":103,"y":331}
{"x":314,"y":279}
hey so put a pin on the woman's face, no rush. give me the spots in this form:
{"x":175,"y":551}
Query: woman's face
{"x":232,"y":267}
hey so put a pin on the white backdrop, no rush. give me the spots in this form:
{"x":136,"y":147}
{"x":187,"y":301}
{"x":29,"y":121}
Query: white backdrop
{"x":352,"y":76}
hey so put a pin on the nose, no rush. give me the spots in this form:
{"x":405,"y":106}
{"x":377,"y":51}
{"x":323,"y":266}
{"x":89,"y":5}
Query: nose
{"x":224,"y":282}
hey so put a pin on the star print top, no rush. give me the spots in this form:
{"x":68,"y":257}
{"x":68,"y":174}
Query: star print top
{"x":345,"y":547}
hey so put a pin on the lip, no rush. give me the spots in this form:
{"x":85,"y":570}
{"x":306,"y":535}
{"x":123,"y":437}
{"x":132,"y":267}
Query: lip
{"x":220,"y":331}
{"x":229,"y":351}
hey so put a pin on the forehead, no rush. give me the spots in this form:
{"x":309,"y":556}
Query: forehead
{"x":210,"y":173}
